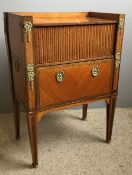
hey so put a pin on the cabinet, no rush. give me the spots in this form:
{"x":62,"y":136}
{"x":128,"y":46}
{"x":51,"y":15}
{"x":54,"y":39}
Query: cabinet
{"x":61,"y":60}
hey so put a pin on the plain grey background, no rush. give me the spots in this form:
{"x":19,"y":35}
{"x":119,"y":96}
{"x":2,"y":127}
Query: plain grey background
{"x":116,"y":6}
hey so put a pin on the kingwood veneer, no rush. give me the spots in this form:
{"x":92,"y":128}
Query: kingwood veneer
{"x":61,"y":60}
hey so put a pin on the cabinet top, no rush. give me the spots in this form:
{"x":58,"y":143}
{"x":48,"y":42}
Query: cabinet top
{"x":68,"y":18}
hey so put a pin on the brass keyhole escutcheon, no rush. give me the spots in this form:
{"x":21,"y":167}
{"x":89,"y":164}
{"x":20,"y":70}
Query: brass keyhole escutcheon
{"x":95,"y":71}
{"x":60,"y":76}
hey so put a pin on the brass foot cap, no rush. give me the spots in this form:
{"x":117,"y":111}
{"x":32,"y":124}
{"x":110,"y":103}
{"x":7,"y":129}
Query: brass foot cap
{"x":18,"y":137}
{"x":83,"y":119}
{"x":35,"y":165}
{"x":108,"y":141}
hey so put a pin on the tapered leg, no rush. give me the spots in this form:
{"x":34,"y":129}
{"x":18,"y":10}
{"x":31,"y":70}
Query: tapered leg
{"x":16,"y":118}
{"x":32,"y":129}
{"x":110,"y":110}
{"x":85,"y":107}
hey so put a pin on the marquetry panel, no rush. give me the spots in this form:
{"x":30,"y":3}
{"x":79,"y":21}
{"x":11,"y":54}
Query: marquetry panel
{"x":71,"y":43}
{"x":78,"y":82}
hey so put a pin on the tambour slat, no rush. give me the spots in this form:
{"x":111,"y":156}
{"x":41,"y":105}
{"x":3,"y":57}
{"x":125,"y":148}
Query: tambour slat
{"x":69,"y":43}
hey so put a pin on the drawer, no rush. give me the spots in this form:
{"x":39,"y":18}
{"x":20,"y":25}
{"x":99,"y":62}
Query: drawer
{"x":69,"y":83}
{"x":73,"y":43}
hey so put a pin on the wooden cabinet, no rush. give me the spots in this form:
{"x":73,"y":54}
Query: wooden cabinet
{"x":61,"y":60}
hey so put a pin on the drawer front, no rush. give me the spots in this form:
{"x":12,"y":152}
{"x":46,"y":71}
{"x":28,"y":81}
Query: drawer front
{"x":65,"y":84}
{"x":73,"y":43}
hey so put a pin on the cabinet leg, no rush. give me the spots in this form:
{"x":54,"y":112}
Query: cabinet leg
{"x":16,"y":118}
{"x":110,"y":111}
{"x":32,"y":129}
{"x":85,"y":107}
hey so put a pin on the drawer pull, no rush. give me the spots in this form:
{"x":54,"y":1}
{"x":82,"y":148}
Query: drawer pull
{"x":95,"y":71}
{"x":60,"y":76}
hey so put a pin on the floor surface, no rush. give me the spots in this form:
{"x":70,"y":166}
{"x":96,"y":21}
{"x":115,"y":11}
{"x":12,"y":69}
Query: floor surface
{"x":68,"y":145}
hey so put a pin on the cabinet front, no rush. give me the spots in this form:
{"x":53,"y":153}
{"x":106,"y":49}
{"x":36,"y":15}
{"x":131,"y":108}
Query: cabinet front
{"x":59,"y":85}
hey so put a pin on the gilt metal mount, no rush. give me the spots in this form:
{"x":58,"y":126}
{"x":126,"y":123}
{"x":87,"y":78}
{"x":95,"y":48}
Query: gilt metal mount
{"x":117,"y":61}
{"x":27,"y":30}
{"x":121,"y":24}
{"x":95,"y":71}
{"x":60,"y":76}
{"x":30,"y":73}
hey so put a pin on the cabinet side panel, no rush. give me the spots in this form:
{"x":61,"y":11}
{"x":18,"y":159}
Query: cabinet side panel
{"x":9,"y":55}
{"x":17,"y":56}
